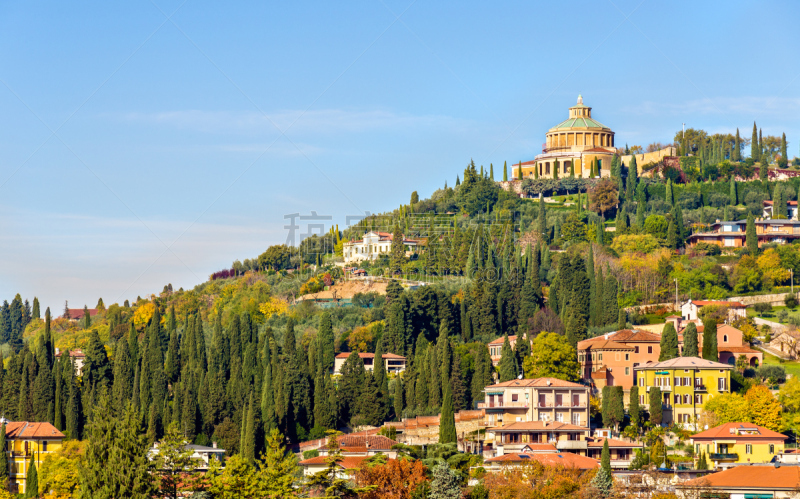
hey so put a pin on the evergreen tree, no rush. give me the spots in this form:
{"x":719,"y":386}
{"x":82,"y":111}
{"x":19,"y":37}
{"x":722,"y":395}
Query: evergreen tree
{"x":690,"y":341}
{"x":507,"y":368}
{"x":633,"y":406}
{"x":505,"y":171}
{"x":3,"y":455}
{"x":672,"y":235}
{"x":710,"y":340}
{"x":633,"y":178}
{"x":640,"y":216}
{"x":755,"y":152}
{"x":248,"y":445}
{"x":669,"y":343}
{"x":737,"y":148}
{"x":32,"y":478}
{"x":702,"y":464}
{"x":670,"y":196}
{"x":655,"y":405}
{"x":491,"y":172}
{"x":458,"y":388}
{"x":622,"y":320}
{"x":733,"y":193}
{"x":605,"y":457}
{"x":622,"y":222}
{"x":784,"y":154}
{"x":555,"y":169}
{"x":610,"y":304}
{"x":398,"y":398}
{"x":37,"y":315}
{"x":616,"y":406}
{"x":398,"y":254}
{"x":87,"y":318}
{"x":445,"y":483}
{"x":751,"y":238}
{"x":543,"y":221}
{"x":447,"y":421}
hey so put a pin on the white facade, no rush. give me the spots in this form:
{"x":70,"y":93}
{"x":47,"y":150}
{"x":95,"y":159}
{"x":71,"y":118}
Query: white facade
{"x":372,"y":246}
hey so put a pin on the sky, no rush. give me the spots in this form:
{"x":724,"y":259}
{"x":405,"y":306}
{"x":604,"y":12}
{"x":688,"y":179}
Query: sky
{"x":146,"y":143}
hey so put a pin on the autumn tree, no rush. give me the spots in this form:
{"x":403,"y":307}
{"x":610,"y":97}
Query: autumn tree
{"x":603,"y":197}
{"x":395,"y":479}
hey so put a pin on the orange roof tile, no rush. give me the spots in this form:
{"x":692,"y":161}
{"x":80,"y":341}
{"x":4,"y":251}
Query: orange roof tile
{"x":502,"y":339}
{"x":521,"y":383}
{"x":620,"y":337}
{"x":371,"y":441}
{"x":733,"y":304}
{"x":724,"y":431}
{"x":565,"y":459}
{"x":24,"y":429}
{"x":750,"y":477}
{"x":347,"y":462}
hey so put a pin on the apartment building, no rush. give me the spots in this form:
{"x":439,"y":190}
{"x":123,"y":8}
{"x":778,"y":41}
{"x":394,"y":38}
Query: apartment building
{"x":540,"y":399}
{"x":23,"y":441}
{"x":738,"y":443}
{"x":733,"y":234}
{"x":609,"y":360}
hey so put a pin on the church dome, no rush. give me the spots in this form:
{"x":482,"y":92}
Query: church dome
{"x":580,"y":116}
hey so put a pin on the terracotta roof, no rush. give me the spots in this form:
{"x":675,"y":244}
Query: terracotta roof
{"x":602,"y":345}
{"x":501,"y":340}
{"x":736,"y":349}
{"x":565,"y":459}
{"x":621,"y":336}
{"x":600,"y":373}
{"x":371,"y":441}
{"x":537,"y":425}
{"x":544,"y":382}
{"x":612,"y":443}
{"x":365,"y":355}
{"x":72,"y":353}
{"x":703,"y":303}
{"x":728,"y":431}
{"x":685,"y":363}
{"x":540,"y":448}
{"x":78,"y":313}
{"x":769,"y":203}
{"x":24,"y":429}
{"x":750,"y":477}
{"x":596,"y":149}
{"x":347,"y":462}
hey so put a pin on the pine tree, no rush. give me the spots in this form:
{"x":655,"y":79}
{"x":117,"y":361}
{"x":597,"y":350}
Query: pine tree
{"x":633,"y":406}
{"x":751,"y":238}
{"x":669,"y":343}
{"x":690,"y":341}
{"x":447,"y":421}
{"x":710,"y":340}
{"x":32,"y":478}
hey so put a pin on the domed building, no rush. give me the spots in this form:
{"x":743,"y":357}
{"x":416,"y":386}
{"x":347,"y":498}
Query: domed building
{"x":573,"y":143}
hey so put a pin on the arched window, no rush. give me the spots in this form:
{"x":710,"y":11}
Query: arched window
{"x":725,"y":338}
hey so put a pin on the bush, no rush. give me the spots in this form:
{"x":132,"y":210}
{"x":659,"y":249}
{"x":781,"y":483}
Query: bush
{"x":768,"y":371}
{"x":762,"y":308}
{"x":790,"y":301}
{"x":783,"y":315}
{"x":708,"y":249}
{"x":718,"y":200}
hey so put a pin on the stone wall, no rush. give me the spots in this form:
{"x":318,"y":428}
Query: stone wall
{"x":424,"y":430}
{"x":514,"y":186}
{"x":648,"y":157}
{"x":752,"y":300}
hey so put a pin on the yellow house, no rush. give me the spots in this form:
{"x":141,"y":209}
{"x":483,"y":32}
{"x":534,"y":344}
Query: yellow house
{"x":686,"y":384}
{"x":23,"y":440}
{"x":738,"y":443}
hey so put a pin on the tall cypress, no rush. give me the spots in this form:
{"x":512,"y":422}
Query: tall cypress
{"x":737,"y":147}
{"x":507,"y":368}
{"x":710,"y":351}
{"x":751,"y":238}
{"x":447,"y":420}
{"x":633,"y":406}
{"x":755,"y":153}
{"x":3,"y":455}
{"x":690,"y":341}
{"x":543,"y":221}
{"x":669,"y":343}
{"x":32,"y":478}
{"x":505,"y":171}
{"x":325,"y":341}
{"x":633,"y":178}
{"x":36,"y":314}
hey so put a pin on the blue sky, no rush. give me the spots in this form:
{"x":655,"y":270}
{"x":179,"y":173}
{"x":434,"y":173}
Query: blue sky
{"x":150,"y":143}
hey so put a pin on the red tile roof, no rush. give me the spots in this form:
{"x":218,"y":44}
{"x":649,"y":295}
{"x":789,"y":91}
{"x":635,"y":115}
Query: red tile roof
{"x":72,"y":353}
{"x":728,"y":431}
{"x":371,"y":441}
{"x":78,"y":313}
{"x":365,"y":355}
{"x":566,"y":459}
{"x":501,"y":340}
{"x":749,"y":477}
{"x":736,"y":349}
{"x":347,"y":462}
{"x":543,"y":382}
{"x":24,"y":429}
{"x":733,"y":304}
{"x":619,"y":337}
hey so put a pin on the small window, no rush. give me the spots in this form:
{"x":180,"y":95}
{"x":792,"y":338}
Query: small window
{"x":650,"y":349}
{"x":635,"y":349}
{"x":514,"y":397}
{"x":772,"y":448}
{"x":627,"y":356}
{"x":748,"y":449}
{"x":725,"y":338}
{"x":627,"y":371}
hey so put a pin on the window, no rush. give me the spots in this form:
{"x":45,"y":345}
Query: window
{"x":698,"y":399}
{"x":560,"y":417}
{"x":772,"y":448}
{"x":677,"y":399}
{"x":600,"y":356}
{"x":519,"y":419}
{"x":635,"y":349}
{"x":542,"y":416}
{"x":44,"y":446}
{"x":724,"y":338}
{"x":627,"y":356}
{"x":650,"y":349}
{"x":514,"y":397}
{"x":627,"y":371}
{"x":687,"y":399}
{"x":722,"y":384}
{"x":641,"y":399}
{"x":576,"y":419}
{"x":748,"y":449}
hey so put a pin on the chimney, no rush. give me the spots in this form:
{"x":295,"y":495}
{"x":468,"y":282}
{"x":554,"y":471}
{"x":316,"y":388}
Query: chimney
{"x":214,"y":445}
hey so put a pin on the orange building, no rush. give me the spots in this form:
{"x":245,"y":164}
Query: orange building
{"x":608,"y":360}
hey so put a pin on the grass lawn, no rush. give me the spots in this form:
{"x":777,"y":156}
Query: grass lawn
{"x":773,"y":314}
{"x":792,"y":367}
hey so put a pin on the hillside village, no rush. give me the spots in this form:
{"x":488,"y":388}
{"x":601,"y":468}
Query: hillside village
{"x":622,"y":318}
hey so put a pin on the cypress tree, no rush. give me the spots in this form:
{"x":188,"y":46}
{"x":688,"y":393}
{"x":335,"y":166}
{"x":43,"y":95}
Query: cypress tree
{"x":434,"y":380}
{"x":710,"y":340}
{"x":32,"y":479}
{"x":669,"y":343}
{"x":447,"y":420}
{"x":640,"y":216}
{"x":543,"y":221}
{"x":3,"y":455}
{"x":633,"y":178}
{"x":670,"y":195}
{"x":784,"y":154}
{"x":610,"y":304}
{"x":605,"y":457}
{"x":761,"y":151}
{"x":555,"y":169}
{"x":702,"y":464}
{"x":690,"y":341}
{"x":36,"y":314}
{"x":458,"y":389}
{"x":74,"y":410}
{"x":655,"y":405}
{"x":248,"y":445}
{"x":622,"y":320}
{"x":755,"y":152}
{"x":751,"y":238}
{"x":622,"y":222}
{"x":505,"y":171}
{"x":633,"y":406}
{"x":672,"y":235}
{"x":737,"y":148}
{"x":398,"y":398}
{"x":733,"y":193}
{"x":507,"y":368}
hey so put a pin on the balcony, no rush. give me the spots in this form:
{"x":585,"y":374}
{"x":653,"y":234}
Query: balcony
{"x":700,"y":388}
{"x":503,"y":405}
{"x":663,"y":388}
{"x":724,"y":457}
{"x":563,"y":405}
{"x":572,"y":445}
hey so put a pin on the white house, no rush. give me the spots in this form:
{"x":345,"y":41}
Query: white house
{"x":393,"y":363}
{"x":373,"y":245}
{"x":791,"y":210}
{"x":201,"y":455}
{"x":691,"y":309}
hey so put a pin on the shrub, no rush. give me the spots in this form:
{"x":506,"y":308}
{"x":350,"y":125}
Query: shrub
{"x":790,"y":301}
{"x":783,"y":315}
{"x":762,"y":308}
{"x":768,"y":371}
{"x":708,"y":249}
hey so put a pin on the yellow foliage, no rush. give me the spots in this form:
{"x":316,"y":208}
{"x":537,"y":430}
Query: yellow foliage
{"x":274,"y":307}
{"x":58,"y":474}
{"x":143,"y":314}
{"x":770,"y":265}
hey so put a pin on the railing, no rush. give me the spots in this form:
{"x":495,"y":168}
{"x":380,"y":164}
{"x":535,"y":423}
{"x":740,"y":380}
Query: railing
{"x":503,"y":405}
{"x":702,"y":388}
{"x":572,"y":445}
{"x":724,"y":457}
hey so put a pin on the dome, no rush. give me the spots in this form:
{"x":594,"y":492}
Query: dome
{"x":580,"y":116}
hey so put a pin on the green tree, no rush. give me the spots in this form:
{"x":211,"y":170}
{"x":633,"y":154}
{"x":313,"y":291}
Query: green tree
{"x":278,"y":468}
{"x":616,"y":406}
{"x":633,"y":178}
{"x":414,"y":198}
{"x":552,"y":357}
{"x":710,"y":351}
{"x":32,"y":478}
{"x":633,"y":407}
{"x":755,"y":152}
{"x":542,"y":220}
{"x":36,"y":314}
{"x":702,"y":463}
{"x":669,"y":343}
{"x":447,"y":422}
{"x":329,"y":482}
{"x":3,"y":455}
{"x":398,"y":254}
{"x":655,"y":405}
{"x":174,"y":462}
{"x":733,"y":192}
{"x":690,"y":341}
{"x":87,"y":318}
{"x":670,"y":198}
{"x":605,"y":457}
{"x":751,"y":238}
{"x":505,"y":171}
{"x":737,"y":148}
{"x":507,"y":368}
{"x":445,"y":483}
